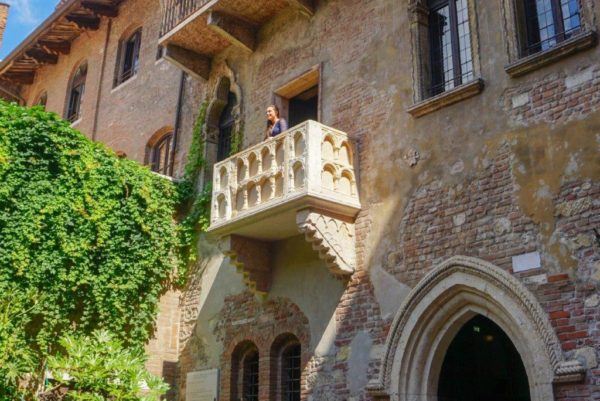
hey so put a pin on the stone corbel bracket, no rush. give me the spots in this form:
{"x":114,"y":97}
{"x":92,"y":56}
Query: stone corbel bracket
{"x":331,"y":237}
{"x":252,"y":258}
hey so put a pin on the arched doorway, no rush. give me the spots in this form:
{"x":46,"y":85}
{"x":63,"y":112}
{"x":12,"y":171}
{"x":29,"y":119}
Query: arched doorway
{"x":482,"y":364}
{"x":445,"y":301}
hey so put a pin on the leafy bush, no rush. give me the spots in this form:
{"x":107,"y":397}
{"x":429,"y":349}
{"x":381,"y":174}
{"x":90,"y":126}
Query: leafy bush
{"x":99,"y":368}
{"x":16,"y":358}
{"x":93,"y":233}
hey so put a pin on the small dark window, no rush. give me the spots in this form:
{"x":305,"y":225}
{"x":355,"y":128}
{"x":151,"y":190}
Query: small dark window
{"x":290,"y":373}
{"x":304,"y":106}
{"x":160,"y":52}
{"x":226,"y":124}
{"x":548,"y":22}
{"x":250,"y":376}
{"x":129,"y":57}
{"x":76,"y":91}
{"x":450,"y":45}
{"x":161,"y":154}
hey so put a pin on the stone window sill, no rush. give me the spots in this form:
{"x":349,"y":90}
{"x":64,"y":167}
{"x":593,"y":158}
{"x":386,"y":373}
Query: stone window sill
{"x":447,"y":98}
{"x":580,"y":42}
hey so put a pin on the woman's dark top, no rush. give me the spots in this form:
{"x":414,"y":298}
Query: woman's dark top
{"x":279,"y":127}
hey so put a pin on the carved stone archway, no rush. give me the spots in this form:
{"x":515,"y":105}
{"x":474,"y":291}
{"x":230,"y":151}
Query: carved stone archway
{"x":436,"y":309}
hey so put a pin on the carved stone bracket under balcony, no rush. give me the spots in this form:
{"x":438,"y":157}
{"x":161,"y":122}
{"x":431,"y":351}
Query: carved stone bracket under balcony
{"x":332,"y":238}
{"x":300,"y":182}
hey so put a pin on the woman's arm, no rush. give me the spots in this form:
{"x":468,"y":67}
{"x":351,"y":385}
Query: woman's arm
{"x":283,"y":124}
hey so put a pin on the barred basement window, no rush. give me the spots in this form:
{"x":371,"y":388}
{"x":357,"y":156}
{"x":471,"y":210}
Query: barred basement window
{"x":250,"y":376}
{"x":450,"y":45}
{"x":291,"y":371}
{"x":76,"y":91}
{"x":160,"y":157}
{"x":129,"y":57}
{"x":545,"y":23}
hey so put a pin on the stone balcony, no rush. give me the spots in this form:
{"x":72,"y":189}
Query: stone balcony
{"x":300,"y":182}
{"x":193,"y":31}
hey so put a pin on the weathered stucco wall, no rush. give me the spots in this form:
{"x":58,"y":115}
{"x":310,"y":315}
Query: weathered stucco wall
{"x":509,"y":171}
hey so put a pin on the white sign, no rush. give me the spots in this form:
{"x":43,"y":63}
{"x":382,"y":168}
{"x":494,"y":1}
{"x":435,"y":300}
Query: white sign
{"x":202,"y":385}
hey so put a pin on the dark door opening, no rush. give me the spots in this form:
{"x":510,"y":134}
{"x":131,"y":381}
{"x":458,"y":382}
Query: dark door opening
{"x":226,"y":122}
{"x":304,"y":106}
{"x":482,"y":364}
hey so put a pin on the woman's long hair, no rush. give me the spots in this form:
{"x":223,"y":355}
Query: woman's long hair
{"x":269,"y":122}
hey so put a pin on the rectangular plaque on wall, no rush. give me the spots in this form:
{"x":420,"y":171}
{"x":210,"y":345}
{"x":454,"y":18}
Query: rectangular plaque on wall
{"x":202,"y":385}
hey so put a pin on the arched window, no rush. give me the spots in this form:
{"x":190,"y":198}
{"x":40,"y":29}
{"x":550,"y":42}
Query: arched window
{"x":250,"y":376}
{"x":245,"y":372}
{"x":42,"y":99}
{"x":291,"y":371}
{"x":226,"y":123}
{"x":76,"y":91}
{"x":128,"y":61}
{"x":286,"y":364}
{"x":161,"y":154}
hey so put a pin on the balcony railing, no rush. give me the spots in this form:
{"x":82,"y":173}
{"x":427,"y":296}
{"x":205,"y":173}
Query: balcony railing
{"x":177,"y":11}
{"x":257,"y":192}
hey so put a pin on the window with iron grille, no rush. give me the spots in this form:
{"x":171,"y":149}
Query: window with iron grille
{"x":161,"y":154}
{"x":250,"y":376}
{"x":548,"y":22}
{"x":226,"y":124}
{"x":129,"y":57}
{"x":76,"y":91}
{"x":291,"y":371}
{"x":450,"y":45}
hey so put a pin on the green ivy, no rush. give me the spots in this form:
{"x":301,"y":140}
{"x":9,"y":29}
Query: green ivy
{"x":237,"y":140}
{"x":93,"y":233}
{"x":196,"y":202}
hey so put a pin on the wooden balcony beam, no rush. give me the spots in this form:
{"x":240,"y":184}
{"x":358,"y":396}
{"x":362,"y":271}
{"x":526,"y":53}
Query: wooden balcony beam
{"x":25,"y":78}
{"x":306,"y":6}
{"x":85,"y":22}
{"x":195,"y":64}
{"x":63,"y":46}
{"x":235,"y":30}
{"x":41,"y":56}
{"x":101,"y":9}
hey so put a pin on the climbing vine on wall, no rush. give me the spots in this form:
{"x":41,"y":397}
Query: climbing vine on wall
{"x":195,"y":201}
{"x":93,"y":233}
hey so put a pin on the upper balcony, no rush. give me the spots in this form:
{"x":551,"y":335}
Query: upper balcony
{"x":193,"y":31}
{"x":302,"y":181}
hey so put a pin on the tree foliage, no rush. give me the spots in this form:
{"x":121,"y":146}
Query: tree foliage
{"x":93,"y":233}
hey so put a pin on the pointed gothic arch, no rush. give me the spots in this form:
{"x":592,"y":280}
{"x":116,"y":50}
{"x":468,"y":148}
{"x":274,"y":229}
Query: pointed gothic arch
{"x":442,"y":302}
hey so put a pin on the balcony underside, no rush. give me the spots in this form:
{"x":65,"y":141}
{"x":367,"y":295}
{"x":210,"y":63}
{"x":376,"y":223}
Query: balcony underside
{"x":273,"y":222}
{"x":205,"y":28}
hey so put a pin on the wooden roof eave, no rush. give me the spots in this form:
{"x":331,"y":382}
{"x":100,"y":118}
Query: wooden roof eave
{"x":55,"y":34}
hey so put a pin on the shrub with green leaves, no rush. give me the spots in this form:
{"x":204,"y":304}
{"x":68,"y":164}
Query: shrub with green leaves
{"x":17,"y":360}
{"x":99,"y":368}
{"x":91,"y":232}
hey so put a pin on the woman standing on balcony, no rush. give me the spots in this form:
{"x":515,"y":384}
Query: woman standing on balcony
{"x":275,"y":124}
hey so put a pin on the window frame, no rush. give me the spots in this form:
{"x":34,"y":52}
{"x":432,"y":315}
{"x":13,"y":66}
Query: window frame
{"x":282,"y":366}
{"x":76,"y":87}
{"x":155,"y":156}
{"x":558,"y":22}
{"x":121,"y":75}
{"x":424,"y":101}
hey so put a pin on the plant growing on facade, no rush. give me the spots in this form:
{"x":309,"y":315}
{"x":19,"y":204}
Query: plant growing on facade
{"x":93,"y":233}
